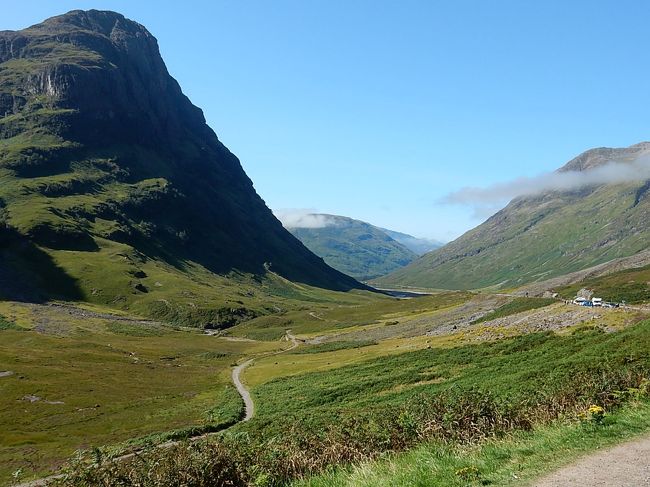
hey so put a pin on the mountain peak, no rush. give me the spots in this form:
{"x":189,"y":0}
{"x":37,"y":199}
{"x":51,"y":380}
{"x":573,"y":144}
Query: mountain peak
{"x":354,"y":247}
{"x":103,"y":22}
{"x":593,"y":158}
{"x":102,"y":65}
{"x":99,"y":144}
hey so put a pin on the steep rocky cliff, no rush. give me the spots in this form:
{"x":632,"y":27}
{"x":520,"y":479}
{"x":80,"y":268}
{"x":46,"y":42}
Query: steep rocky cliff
{"x":98,"y":144}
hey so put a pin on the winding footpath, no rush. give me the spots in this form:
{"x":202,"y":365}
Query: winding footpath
{"x":249,"y":411}
{"x":249,"y":405}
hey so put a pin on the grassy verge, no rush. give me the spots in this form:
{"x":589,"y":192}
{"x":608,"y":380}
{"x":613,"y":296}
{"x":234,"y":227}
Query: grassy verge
{"x":517,"y":460}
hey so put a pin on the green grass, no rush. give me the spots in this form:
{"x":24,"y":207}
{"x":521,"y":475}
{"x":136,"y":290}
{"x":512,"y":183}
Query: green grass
{"x":631,"y":286}
{"x":537,"y":238}
{"x":102,"y":382}
{"x":517,"y":460}
{"x":468,"y":415}
{"x":121,"y":328}
{"x":188,"y":294}
{"x":349,"y":311}
{"x":513,"y":370}
{"x":7,"y":325}
{"x":223,"y":414}
{"x":518,"y":305}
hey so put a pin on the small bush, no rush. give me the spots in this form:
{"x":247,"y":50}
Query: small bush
{"x":469,"y":474}
{"x":596,"y":414}
{"x":7,"y":325}
{"x":214,"y":355}
{"x":183,"y":465}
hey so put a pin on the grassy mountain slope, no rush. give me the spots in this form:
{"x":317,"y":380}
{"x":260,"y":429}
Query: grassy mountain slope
{"x":630,"y":285}
{"x":354,"y":247}
{"x":615,"y":266}
{"x":106,"y":166}
{"x":542,"y":236}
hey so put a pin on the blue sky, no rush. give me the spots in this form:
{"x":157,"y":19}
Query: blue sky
{"x":378,"y":109}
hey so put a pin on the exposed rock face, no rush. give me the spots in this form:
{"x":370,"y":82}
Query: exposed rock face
{"x":107,"y":68}
{"x":597,"y":157}
{"x":98,"y":140}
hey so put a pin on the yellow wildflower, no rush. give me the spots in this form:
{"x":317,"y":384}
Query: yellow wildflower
{"x":596,"y":409}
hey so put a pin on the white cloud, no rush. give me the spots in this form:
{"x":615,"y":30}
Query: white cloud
{"x":486,"y":200}
{"x":302,"y":218}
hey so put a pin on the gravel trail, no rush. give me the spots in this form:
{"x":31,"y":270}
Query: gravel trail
{"x":626,"y":465}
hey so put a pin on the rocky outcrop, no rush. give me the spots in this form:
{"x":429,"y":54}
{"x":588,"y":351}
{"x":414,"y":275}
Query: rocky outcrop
{"x":602,"y":155}
{"x":90,"y":109}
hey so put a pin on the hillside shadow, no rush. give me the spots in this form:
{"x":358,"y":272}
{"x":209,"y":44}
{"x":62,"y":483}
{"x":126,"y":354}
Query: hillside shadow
{"x":28,"y":274}
{"x":295,"y":263}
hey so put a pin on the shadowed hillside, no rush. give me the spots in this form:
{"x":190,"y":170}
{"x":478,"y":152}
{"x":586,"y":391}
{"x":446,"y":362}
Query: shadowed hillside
{"x":100,"y":148}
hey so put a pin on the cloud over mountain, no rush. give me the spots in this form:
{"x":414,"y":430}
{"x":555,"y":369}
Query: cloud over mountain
{"x":303,"y":218}
{"x":493,"y":196}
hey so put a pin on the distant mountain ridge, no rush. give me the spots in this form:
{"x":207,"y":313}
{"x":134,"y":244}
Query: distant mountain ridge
{"x":416,"y":244}
{"x":104,"y":161}
{"x":538,"y":237}
{"x":354,"y":247}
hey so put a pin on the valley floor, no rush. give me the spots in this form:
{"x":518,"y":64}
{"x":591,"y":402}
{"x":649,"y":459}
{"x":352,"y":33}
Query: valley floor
{"x":77,"y":377}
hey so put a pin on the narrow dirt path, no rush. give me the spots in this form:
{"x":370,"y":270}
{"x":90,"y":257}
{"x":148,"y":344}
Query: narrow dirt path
{"x":249,"y":408}
{"x":249,"y":405}
{"x":626,"y":465}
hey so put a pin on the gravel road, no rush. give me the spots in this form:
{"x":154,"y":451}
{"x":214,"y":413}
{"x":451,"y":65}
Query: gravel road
{"x":627,"y":465}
